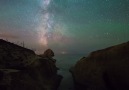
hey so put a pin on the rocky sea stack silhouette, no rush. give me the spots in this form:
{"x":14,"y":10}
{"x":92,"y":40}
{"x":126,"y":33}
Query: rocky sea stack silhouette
{"x":22,"y":69}
{"x":106,"y":69}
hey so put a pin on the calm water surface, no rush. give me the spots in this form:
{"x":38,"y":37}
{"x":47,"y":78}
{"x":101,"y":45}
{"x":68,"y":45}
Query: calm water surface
{"x":64,"y":62}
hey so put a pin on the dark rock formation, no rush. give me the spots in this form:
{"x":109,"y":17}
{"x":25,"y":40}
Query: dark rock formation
{"x":106,"y":69}
{"x":14,"y":56}
{"x":49,"y":54}
{"x":22,"y":69}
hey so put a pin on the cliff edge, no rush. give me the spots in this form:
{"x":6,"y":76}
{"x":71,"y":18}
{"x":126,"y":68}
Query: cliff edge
{"x":105,"y":69}
{"x":22,"y":69}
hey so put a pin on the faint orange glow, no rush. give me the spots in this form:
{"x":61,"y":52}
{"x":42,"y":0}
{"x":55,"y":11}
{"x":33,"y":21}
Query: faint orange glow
{"x":42,"y":36}
{"x":43,"y":41}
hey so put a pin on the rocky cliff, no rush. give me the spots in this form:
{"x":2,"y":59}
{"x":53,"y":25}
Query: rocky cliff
{"x":106,"y":69}
{"x":22,"y":69}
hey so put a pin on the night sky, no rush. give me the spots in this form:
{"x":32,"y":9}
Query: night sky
{"x":65,"y":26}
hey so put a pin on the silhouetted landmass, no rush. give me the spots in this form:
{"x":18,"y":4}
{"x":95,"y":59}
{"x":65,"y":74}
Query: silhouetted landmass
{"x":22,"y":69}
{"x":106,"y":69}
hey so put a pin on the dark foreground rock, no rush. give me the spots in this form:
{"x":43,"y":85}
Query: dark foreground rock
{"x":22,"y":69}
{"x":106,"y":69}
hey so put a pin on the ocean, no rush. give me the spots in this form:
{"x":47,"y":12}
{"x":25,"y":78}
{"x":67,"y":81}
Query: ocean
{"x":65,"y":62}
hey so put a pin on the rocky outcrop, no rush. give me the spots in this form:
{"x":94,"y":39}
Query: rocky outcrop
{"x":105,"y":69}
{"x":22,"y":69}
{"x":14,"y":56}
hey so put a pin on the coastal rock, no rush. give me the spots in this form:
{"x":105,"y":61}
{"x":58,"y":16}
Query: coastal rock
{"x":48,"y":53}
{"x":105,"y":69}
{"x":14,"y":56}
{"x":22,"y":69}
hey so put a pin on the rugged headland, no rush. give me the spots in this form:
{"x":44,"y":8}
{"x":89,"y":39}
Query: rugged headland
{"x":106,"y":69}
{"x":22,"y":69}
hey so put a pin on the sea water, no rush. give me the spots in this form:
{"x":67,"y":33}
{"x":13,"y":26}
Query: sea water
{"x":65,"y":62}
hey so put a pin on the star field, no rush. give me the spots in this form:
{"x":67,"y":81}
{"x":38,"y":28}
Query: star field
{"x":70,"y":26}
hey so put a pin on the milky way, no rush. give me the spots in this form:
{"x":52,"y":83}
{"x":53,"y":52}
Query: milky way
{"x":50,"y":31}
{"x":70,"y":26}
{"x":45,"y":23}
